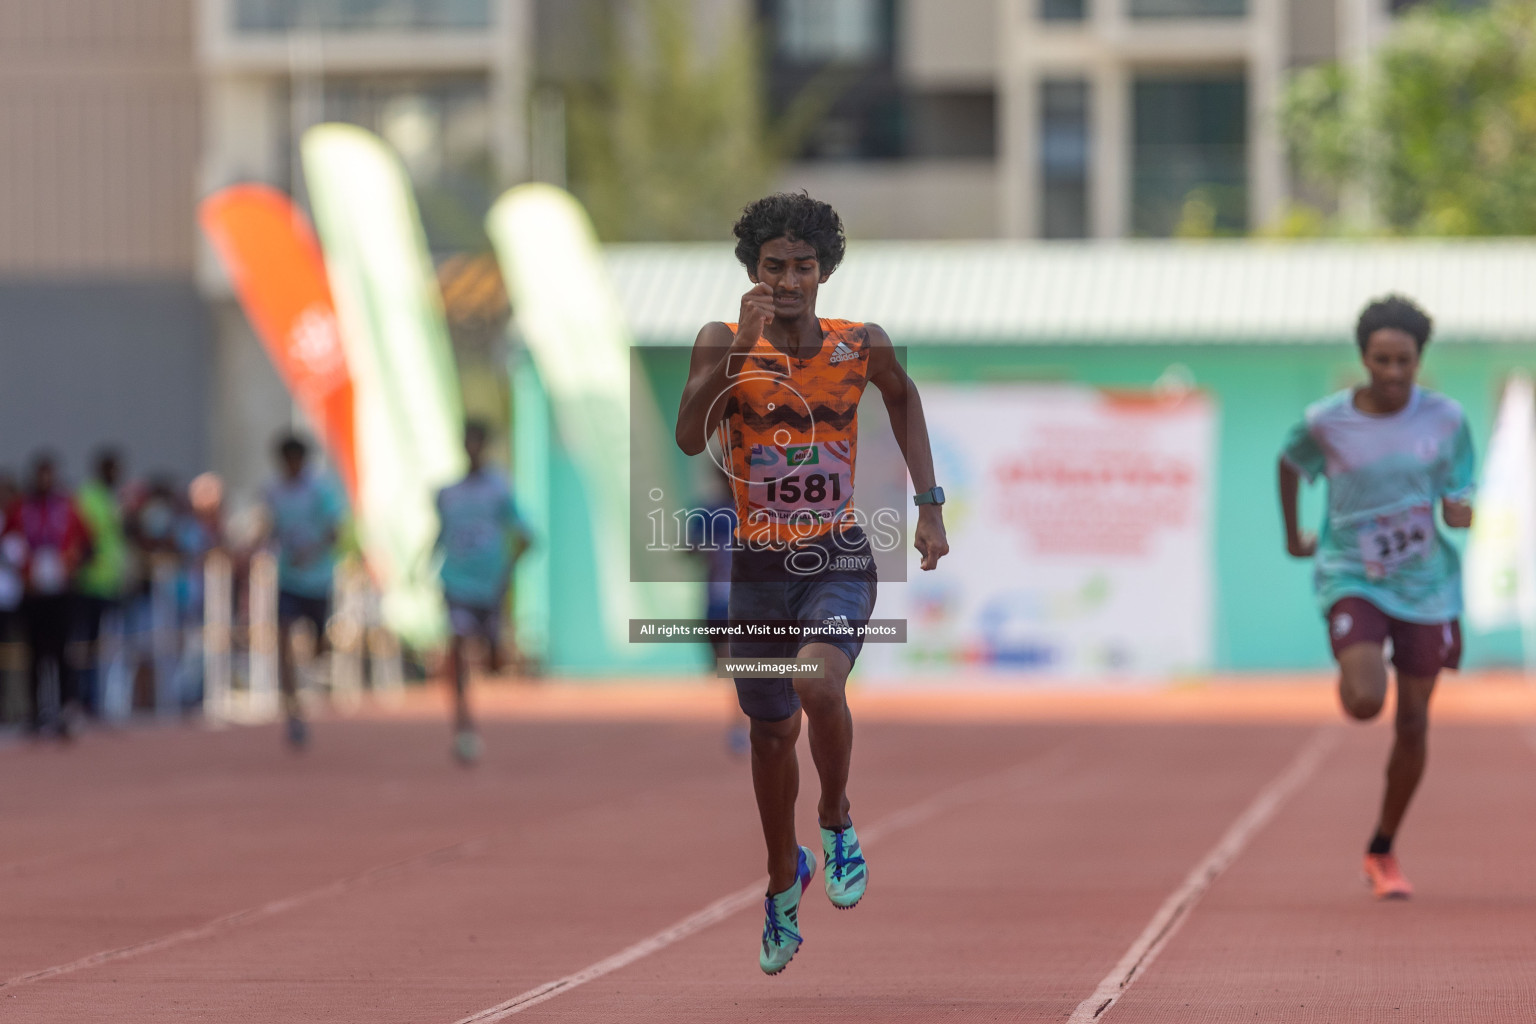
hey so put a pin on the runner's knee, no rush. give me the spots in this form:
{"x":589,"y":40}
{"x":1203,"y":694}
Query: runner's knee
{"x":1362,"y":706}
{"x":1362,"y":681}
{"x":824,"y":693}
{"x":775,"y":739}
{"x":821,"y":696}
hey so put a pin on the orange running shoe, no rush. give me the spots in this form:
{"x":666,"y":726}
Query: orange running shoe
{"x":1386,"y":878}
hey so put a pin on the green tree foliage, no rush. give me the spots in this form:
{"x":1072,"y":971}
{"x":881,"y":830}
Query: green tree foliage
{"x":1439,"y":131}
{"x":673,"y":141}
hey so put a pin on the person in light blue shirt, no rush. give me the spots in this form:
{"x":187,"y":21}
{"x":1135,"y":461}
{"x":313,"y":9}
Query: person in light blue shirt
{"x":1392,"y":453}
{"x":480,"y":539}
{"x":304,"y":517}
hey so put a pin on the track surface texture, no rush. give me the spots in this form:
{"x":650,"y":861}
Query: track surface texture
{"x":1019,"y":850}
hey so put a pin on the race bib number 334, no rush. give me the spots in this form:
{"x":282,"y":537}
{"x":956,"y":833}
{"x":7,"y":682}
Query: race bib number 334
{"x":1389,"y":542}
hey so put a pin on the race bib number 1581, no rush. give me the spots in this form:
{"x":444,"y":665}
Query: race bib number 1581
{"x":805,"y":482}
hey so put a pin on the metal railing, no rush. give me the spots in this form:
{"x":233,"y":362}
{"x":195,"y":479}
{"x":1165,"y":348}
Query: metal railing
{"x":240,"y":682}
{"x":189,"y":644}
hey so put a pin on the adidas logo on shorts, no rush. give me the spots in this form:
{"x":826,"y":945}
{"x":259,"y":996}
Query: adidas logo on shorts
{"x":842,"y":353}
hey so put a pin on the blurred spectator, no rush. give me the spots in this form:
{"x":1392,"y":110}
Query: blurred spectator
{"x":481,"y":539}
{"x":153,"y":636}
{"x":101,"y":579}
{"x":53,"y":543}
{"x":199,"y":533}
{"x":303,"y":524}
{"x":152,"y":525}
{"x":12,"y":557}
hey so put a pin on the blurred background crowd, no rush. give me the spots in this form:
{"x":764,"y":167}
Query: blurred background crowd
{"x":102,"y":557}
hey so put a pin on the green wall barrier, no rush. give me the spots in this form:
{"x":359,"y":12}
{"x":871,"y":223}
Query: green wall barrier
{"x":1265,"y":616}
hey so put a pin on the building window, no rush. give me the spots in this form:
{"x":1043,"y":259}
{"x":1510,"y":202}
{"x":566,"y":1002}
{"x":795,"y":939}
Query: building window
{"x":1188,"y":8}
{"x":832,"y":30}
{"x":1063,"y":10}
{"x":845,"y":49}
{"x":360,"y":15}
{"x":951,"y":125}
{"x":441,"y":128}
{"x":1064,"y":158}
{"x":1190,"y":156}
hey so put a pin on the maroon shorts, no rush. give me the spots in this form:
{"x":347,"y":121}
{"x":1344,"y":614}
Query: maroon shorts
{"x":1418,"y":648}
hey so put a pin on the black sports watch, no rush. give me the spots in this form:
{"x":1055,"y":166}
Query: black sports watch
{"x":933,"y":496}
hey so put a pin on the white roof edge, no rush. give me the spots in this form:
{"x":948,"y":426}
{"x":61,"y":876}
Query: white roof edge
{"x":1133,"y":291}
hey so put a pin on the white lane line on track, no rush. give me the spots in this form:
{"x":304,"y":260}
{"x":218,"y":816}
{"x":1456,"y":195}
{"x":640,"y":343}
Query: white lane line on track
{"x":996,"y":784}
{"x":1176,"y":908}
{"x":431,"y":858}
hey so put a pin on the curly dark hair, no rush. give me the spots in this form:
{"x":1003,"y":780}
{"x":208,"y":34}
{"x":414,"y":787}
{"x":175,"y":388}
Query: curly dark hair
{"x":793,"y":215}
{"x":1395,"y":311}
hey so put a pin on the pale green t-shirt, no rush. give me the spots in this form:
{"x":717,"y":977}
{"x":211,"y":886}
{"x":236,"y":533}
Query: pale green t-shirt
{"x":1381,"y":539}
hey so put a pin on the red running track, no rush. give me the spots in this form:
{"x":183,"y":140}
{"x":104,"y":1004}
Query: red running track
{"x":178,"y":874}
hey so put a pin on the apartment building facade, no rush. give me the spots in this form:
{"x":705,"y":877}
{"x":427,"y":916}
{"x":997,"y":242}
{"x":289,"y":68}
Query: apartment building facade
{"x":1057,"y":118}
{"x":99,"y":310}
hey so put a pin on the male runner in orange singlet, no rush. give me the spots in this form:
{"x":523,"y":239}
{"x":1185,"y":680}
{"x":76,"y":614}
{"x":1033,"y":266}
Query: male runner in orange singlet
{"x":781,"y":392}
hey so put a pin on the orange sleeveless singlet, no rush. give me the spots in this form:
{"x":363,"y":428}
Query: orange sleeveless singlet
{"x":790,"y":434}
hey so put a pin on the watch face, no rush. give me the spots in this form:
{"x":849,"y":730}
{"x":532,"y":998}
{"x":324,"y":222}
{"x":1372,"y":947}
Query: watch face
{"x":938,"y":495}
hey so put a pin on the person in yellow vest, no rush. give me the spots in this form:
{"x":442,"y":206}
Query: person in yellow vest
{"x":100,"y":580}
{"x":780,"y":391}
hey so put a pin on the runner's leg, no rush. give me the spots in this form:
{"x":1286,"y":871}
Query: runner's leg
{"x":831,"y":730}
{"x":1409,"y":749}
{"x":774,"y":708}
{"x":458,"y":672}
{"x":286,"y":671}
{"x":776,"y":783}
{"x":494,"y":662}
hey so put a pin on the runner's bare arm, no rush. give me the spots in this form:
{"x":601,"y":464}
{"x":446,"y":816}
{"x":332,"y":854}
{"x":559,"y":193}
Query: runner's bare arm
{"x":709,"y":369}
{"x":699,"y":411}
{"x":1458,"y":514}
{"x":1297,"y":543}
{"x":905,"y":408}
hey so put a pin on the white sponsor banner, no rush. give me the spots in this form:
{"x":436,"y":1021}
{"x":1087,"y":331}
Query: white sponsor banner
{"x":1498,"y":579}
{"x":1080,"y":538}
{"x":409,"y":411}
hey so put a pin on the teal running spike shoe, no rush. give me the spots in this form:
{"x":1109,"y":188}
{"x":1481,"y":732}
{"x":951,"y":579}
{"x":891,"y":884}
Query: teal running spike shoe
{"x":845,"y":873}
{"x":781,"y":913}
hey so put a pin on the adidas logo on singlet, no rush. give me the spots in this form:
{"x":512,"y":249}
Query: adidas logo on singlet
{"x":842,"y":353}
